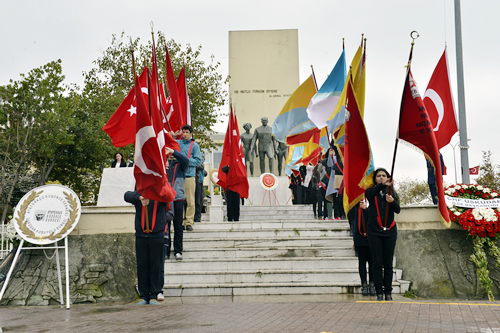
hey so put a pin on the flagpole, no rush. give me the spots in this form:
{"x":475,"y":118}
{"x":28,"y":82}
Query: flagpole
{"x":399,"y":125}
{"x":464,"y":155}
{"x":135,"y":84}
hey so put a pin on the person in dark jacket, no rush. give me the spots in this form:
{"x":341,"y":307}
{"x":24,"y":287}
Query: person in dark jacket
{"x":119,"y":161}
{"x":382,"y":232}
{"x":198,"y":194}
{"x":232,"y":200}
{"x":358,"y":218}
{"x":149,"y":244}
{"x":177,"y":166}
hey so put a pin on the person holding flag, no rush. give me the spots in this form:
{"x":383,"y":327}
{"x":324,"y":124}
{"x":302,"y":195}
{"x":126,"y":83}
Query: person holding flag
{"x":382,"y":231}
{"x":232,"y":170}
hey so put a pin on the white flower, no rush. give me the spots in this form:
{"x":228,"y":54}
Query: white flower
{"x":457,"y":213}
{"x":486,"y":190}
{"x":479,"y":187}
{"x":487,"y":214}
{"x":494,"y":194}
{"x":465,"y":186}
{"x":450,"y":191}
{"x":457,"y":187}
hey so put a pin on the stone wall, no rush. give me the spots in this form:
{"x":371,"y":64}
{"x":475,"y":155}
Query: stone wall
{"x":102,"y":268}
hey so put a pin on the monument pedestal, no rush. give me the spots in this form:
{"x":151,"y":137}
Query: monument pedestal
{"x":258,"y":196}
{"x":114,"y":183}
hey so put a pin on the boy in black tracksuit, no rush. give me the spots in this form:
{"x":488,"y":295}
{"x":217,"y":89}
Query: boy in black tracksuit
{"x":149,"y":244}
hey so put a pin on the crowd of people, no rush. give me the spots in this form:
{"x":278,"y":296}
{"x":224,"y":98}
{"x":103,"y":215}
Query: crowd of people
{"x":153,"y":219}
{"x":372,"y":223}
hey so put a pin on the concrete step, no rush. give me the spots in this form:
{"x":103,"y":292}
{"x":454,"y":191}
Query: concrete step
{"x":266,"y":242}
{"x":251,"y":289}
{"x":260,"y":252}
{"x":263,"y":233}
{"x":256,"y":264}
{"x":288,"y":224}
{"x":261,"y":276}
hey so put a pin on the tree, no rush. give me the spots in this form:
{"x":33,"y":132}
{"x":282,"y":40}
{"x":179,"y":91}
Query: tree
{"x":34,"y":117}
{"x":489,"y":175}
{"x":413,"y":192}
{"x":114,"y":74}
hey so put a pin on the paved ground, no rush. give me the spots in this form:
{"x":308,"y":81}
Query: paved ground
{"x":265,"y":314}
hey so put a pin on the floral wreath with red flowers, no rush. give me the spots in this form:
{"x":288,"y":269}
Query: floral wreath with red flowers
{"x":482,"y":223}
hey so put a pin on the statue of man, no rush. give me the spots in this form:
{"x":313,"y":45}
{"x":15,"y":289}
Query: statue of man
{"x":266,"y":146}
{"x":248,"y":149}
{"x":282,"y":152}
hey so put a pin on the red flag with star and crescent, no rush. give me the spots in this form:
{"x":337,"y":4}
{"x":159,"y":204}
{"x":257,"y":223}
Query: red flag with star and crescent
{"x":149,"y":167}
{"x":232,"y":155}
{"x":438,"y":101}
{"x":121,"y":126}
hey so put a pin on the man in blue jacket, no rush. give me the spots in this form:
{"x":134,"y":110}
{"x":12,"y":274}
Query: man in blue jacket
{"x":192,"y":150}
{"x":149,"y":244}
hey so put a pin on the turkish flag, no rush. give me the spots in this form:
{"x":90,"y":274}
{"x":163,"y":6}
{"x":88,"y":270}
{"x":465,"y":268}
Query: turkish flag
{"x":121,"y":126}
{"x":149,"y":167}
{"x":415,"y":128}
{"x":175,"y":107}
{"x":438,"y":101}
{"x":474,"y":170}
{"x":236,"y":179}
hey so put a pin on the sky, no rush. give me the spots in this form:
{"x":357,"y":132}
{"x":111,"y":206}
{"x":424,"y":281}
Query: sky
{"x":34,"y":33}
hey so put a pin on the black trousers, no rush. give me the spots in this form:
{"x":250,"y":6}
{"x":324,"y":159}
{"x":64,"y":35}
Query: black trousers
{"x":383,"y":252}
{"x":178,"y":232}
{"x":233,"y":205}
{"x":198,"y":201}
{"x":365,"y":257}
{"x":338,"y":205}
{"x":325,"y":209}
{"x":319,"y":201}
{"x":149,"y":255}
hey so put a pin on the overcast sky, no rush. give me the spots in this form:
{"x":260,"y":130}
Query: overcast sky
{"x":36,"y":32}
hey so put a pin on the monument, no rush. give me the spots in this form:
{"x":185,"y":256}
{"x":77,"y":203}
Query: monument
{"x":267,"y":145}
{"x":282,"y":151}
{"x":248,"y":149}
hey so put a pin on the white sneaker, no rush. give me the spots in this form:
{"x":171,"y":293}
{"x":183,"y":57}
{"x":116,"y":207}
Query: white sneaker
{"x":160,"y":297}
{"x":178,"y":256}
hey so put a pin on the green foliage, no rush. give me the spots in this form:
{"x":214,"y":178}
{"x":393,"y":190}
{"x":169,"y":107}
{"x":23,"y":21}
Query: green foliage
{"x":114,"y":75}
{"x":412,"y":191}
{"x":489,"y":175}
{"x":410,"y":294}
{"x":481,"y":261}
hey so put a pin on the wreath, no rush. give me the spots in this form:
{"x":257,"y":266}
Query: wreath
{"x":481,"y":223}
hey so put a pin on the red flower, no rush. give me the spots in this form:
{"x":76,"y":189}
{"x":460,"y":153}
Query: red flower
{"x":455,"y":194}
{"x":492,"y":234}
{"x":489,"y":227}
{"x":462,"y":190}
{"x":482,"y":234}
{"x":477,"y":193}
{"x":485,"y":196}
{"x":472,"y":232}
{"x":469,"y":191}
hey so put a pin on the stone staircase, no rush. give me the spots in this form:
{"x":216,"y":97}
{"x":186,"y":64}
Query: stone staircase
{"x":272,"y":250}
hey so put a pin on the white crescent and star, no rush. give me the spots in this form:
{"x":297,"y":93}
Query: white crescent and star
{"x":438,"y":103}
